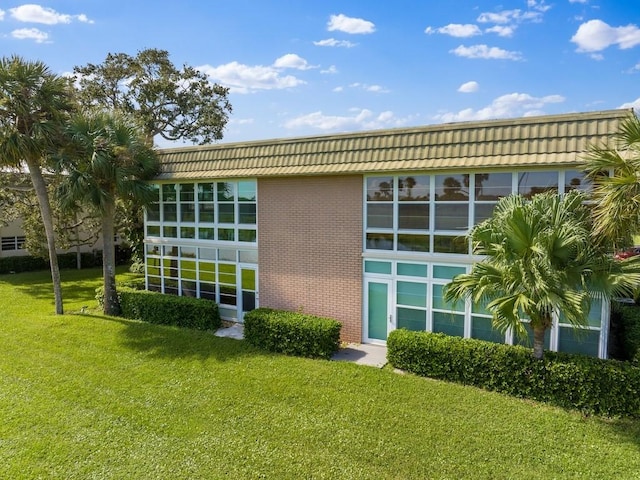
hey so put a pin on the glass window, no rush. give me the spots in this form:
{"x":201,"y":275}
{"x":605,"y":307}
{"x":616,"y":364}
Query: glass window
{"x":206,"y":212}
{"x":170,"y":211}
{"x":413,"y":243}
{"x":246,"y":235}
{"x":447,"y":272}
{"x":153,"y":230}
{"x":371,"y":266}
{"x":586,"y":342}
{"x":226,"y":234}
{"x":205,"y":192}
{"x":482,"y":329}
{"x":188,"y":212}
{"x":413,"y":188}
{"x":412,"y":216}
{"x":531,"y":183}
{"x":411,"y":294}
{"x":247,"y":213}
{"x":169,"y":193}
{"x":451,"y":216}
{"x":492,"y":186}
{"x":226,"y":213}
{"x":380,"y":241}
{"x":412,"y":270}
{"x":450,"y":244}
{"x":576,"y":180}
{"x":153,"y":212}
{"x":248,"y":256}
{"x":226,"y":192}
{"x":440,"y":303}
{"x":169,"y":232}
{"x":380,"y":189}
{"x":482,"y":212}
{"x":186,"y":192}
{"x":206,"y":233}
{"x":379,"y":215}
{"x":452,"y":188}
{"x":247,"y":191}
{"x":448,"y":323}
{"x":411,"y":319}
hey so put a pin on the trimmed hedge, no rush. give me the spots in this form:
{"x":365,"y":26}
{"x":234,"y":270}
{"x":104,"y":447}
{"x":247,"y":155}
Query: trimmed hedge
{"x":292,"y":333}
{"x":154,"y":307}
{"x":591,"y":385}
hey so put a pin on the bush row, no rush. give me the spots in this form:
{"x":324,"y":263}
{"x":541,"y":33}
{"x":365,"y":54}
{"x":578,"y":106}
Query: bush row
{"x":292,"y":333}
{"x":28,"y":263}
{"x":164,"y":309}
{"x":591,"y":385}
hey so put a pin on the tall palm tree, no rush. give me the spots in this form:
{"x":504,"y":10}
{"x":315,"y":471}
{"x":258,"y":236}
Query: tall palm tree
{"x":108,"y":160}
{"x":33,"y":106}
{"x":540,"y":260}
{"x":615,"y":173}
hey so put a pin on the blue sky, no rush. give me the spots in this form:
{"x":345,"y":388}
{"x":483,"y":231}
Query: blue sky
{"x":299,"y":68}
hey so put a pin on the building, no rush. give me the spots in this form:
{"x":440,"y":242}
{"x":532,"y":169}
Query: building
{"x":363,"y":227}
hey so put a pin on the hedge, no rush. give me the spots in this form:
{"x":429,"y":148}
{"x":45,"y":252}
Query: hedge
{"x":292,"y":333}
{"x":591,"y":385}
{"x":28,"y":263}
{"x":158,"y":308}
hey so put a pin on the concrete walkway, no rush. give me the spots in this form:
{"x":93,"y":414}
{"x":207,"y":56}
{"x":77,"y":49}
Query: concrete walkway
{"x":360,"y":353}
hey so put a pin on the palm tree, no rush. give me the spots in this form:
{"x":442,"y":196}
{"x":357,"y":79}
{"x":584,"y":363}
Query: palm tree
{"x":108,"y":161}
{"x":33,"y":106}
{"x":540,"y":260}
{"x":615,"y":173}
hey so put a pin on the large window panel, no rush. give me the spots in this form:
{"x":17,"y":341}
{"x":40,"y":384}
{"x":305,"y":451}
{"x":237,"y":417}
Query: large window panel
{"x":379,"y":215}
{"x":411,"y":319}
{"x":452,"y":188}
{"x":413,"y":188}
{"x":452,"y":216}
{"x":413,"y":216}
{"x":492,"y":186}
{"x":380,"y":189}
{"x":532,"y":183}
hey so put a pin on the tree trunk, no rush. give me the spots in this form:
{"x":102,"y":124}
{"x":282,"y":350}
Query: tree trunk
{"x":538,"y":342}
{"x":111,"y":302}
{"x":40,"y":188}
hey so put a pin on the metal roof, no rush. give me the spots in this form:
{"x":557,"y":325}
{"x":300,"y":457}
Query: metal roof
{"x":550,"y":140}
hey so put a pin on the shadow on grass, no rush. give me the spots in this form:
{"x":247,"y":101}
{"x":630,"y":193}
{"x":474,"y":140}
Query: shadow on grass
{"x":164,"y":341}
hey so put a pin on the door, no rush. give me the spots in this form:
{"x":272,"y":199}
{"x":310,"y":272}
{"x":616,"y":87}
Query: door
{"x":378,"y":317}
{"x":248,"y":290}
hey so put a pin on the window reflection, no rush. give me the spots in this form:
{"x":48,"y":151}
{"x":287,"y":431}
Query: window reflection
{"x":532,"y":183}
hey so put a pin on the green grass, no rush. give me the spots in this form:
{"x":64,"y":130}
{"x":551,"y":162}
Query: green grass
{"x":87,"y":396}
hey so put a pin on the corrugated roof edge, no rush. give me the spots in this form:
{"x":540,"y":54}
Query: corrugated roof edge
{"x":518,"y":121}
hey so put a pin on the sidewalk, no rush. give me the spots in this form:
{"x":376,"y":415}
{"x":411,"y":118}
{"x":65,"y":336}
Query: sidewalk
{"x":360,"y":353}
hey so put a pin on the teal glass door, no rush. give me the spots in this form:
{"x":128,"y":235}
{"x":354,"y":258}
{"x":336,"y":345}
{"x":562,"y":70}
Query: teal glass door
{"x":377,"y":314}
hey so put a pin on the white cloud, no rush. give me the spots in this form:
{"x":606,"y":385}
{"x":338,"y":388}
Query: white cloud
{"x":506,"y":16}
{"x":456,"y":30}
{"x":506,"y":106}
{"x":357,"y":119}
{"x":242,"y":78}
{"x":635,"y":104}
{"x":578,"y":1}
{"x":342,"y":23}
{"x":331,"y":70}
{"x":369,"y":88}
{"x":37,"y":14}
{"x":483,"y":51}
{"x":241,"y":121}
{"x":469,"y":87}
{"x":596,"y":35}
{"x":30,"y":34}
{"x":291,"y":60}
{"x":332,"y":42}
{"x":2,"y":12}
{"x":501,"y":30}
{"x":338,"y":89}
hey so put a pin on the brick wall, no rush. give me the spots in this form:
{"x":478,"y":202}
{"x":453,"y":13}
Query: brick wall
{"x":310,"y":247}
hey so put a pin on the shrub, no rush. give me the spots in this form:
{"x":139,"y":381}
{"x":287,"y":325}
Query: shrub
{"x":164,"y":309}
{"x":292,"y":333}
{"x":626,"y":320}
{"x":591,"y":385}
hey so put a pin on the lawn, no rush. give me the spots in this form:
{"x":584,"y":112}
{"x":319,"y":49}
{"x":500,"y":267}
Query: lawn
{"x":86,"y":396}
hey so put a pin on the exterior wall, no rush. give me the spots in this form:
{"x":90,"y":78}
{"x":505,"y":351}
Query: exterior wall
{"x":310,"y":247}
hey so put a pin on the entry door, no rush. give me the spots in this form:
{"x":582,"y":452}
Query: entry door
{"x":248,"y":289}
{"x":379,"y":319}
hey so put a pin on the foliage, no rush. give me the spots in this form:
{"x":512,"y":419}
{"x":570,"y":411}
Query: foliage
{"x":30,"y":263}
{"x":87,"y":396}
{"x":163,"y":309}
{"x":541,"y":259}
{"x":34,"y":104}
{"x":614,"y":170}
{"x":106,"y":160}
{"x":626,"y":319}
{"x":18,"y":201}
{"x":292,"y":333}
{"x":177,"y":104}
{"x":591,"y":385}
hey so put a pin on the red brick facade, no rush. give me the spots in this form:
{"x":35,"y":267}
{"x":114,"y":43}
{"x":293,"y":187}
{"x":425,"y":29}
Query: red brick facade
{"x":310,"y":247}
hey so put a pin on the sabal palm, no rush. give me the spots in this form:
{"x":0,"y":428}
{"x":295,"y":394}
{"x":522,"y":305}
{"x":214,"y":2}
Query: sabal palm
{"x":108,"y":160}
{"x":540,"y":260}
{"x":615,"y":172}
{"x":33,"y":107}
